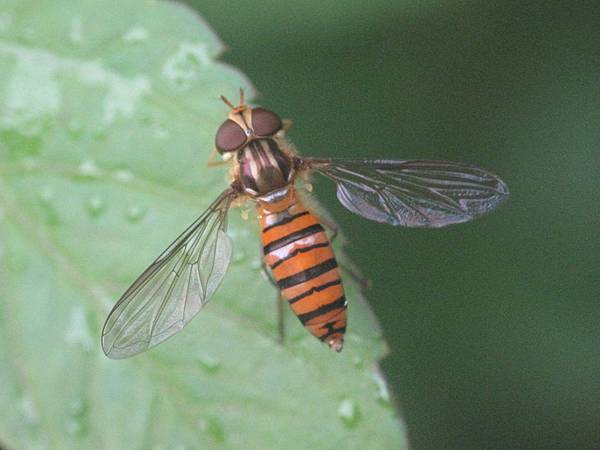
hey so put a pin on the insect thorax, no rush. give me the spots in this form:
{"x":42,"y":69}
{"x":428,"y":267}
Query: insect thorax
{"x":264,"y":167}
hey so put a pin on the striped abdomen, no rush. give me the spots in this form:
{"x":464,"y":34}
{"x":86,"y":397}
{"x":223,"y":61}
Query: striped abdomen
{"x":300,"y":256}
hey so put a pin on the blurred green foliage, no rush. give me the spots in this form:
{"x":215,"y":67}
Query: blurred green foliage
{"x":493,"y":325}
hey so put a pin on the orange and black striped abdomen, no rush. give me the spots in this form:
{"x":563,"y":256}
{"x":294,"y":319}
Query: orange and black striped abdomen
{"x":301,"y":259}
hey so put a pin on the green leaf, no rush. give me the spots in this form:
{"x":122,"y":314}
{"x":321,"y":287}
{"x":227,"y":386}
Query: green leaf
{"x":107,"y":115}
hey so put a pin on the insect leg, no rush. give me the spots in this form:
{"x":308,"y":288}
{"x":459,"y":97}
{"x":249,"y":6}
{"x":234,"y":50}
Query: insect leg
{"x":363,"y":282}
{"x":280,"y":318}
{"x":212,"y":159}
{"x":280,"y":300}
{"x":330,"y":225}
{"x":353,"y":272}
{"x":269,"y":274}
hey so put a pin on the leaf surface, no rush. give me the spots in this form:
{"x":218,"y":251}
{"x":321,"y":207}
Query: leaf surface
{"x":107,"y":114}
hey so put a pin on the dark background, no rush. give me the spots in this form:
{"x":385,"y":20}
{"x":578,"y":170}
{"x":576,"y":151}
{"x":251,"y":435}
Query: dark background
{"x":492,"y":325}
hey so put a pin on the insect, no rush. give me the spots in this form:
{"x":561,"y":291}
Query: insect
{"x":296,"y":249}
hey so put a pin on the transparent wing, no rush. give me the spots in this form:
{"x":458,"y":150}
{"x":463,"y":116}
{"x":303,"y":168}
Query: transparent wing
{"x":171,"y":291}
{"x":426,"y":194}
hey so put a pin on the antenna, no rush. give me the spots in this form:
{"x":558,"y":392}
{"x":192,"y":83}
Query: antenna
{"x":236,"y":109}
{"x":227,"y":102}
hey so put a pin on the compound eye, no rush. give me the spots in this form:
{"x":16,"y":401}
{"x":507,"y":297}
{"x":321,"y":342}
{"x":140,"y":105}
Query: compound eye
{"x":265,"y":122}
{"x":230,"y":136}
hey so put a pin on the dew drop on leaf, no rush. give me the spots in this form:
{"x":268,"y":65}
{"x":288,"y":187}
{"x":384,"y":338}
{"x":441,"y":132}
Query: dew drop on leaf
{"x":255,"y":263}
{"x":28,"y":411}
{"x":238,"y":256}
{"x":95,"y":205}
{"x":349,"y":413}
{"x":73,"y":427}
{"x":135,"y":213}
{"x":75,"y":32}
{"x":88,"y":169}
{"x":161,"y":133}
{"x":183,"y":67}
{"x":135,"y":34}
{"x":383,"y":394}
{"x":209,"y":363}
{"x":47,"y":198}
{"x":76,"y":424}
{"x":78,"y":330}
{"x":353,"y":337}
{"x":100,"y":134}
{"x":123,"y":175}
{"x":47,"y":194}
{"x":76,"y":407}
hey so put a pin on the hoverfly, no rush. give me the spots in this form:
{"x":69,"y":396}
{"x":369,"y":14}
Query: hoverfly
{"x":296,"y":249}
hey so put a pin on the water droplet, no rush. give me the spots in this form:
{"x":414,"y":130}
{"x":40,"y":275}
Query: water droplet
{"x":135,"y":213}
{"x":78,"y":331}
{"x":76,"y":423}
{"x":209,"y":363}
{"x":383,"y":393}
{"x":73,"y":427}
{"x":75,"y":407}
{"x":353,"y":337}
{"x":183,"y":67}
{"x":28,"y":411}
{"x":214,"y":427}
{"x":123,"y":175}
{"x":75,"y":31}
{"x":75,"y":128}
{"x":95,"y":205}
{"x":238,"y":256}
{"x":100,"y":134}
{"x":88,"y":169}
{"x":121,"y":101}
{"x":47,"y":194}
{"x":349,"y":413}
{"x":135,"y":34}
{"x":161,"y":133}
{"x":47,"y":198}
{"x":255,"y":263}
